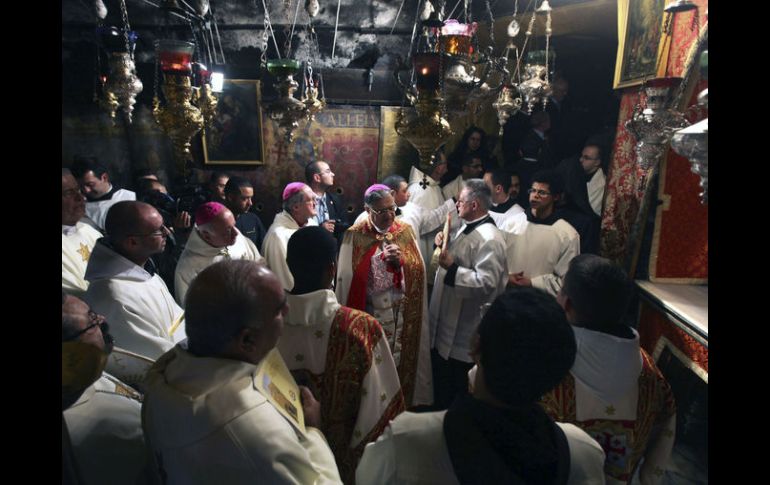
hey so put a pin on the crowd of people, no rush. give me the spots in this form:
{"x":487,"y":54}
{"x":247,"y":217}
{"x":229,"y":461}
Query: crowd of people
{"x":461,"y":329}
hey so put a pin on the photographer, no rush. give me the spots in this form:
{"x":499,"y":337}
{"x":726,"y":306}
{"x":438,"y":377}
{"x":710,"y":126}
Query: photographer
{"x":176,"y":216}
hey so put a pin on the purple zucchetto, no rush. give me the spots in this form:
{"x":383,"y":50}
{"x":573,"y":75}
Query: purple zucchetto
{"x":376,"y":187}
{"x":292,"y":189}
{"x":207,"y":212}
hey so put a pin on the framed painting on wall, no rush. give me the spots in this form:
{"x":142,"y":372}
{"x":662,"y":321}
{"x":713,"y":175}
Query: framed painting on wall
{"x":235,"y":135}
{"x":642,"y":45}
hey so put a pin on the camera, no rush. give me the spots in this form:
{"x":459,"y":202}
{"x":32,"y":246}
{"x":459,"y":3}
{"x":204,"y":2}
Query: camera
{"x":188,"y":200}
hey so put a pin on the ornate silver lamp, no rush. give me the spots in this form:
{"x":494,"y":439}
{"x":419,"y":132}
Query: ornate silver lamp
{"x":693,"y":142}
{"x":654,"y":125}
{"x":287,"y":111}
{"x":536,"y":86}
{"x":121,"y":85}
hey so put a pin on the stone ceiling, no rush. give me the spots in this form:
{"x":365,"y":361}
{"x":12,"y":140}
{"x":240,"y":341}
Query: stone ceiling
{"x":364,"y":26}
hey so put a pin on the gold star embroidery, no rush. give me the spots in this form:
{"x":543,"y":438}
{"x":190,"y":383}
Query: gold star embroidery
{"x":610,"y":410}
{"x":658,"y":471}
{"x":357,"y":434}
{"x":122,"y":390}
{"x":85,"y":253}
{"x":378,"y":359}
{"x":319,"y":334}
{"x":364,"y":392}
{"x":383,"y":396}
{"x":299,"y":357}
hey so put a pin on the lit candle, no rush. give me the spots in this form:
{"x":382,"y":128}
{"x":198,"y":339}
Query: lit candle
{"x":427,"y":69}
{"x":175,"y":56}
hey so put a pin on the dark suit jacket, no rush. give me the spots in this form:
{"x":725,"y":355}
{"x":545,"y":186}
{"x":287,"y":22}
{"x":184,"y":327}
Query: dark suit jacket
{"x":577,"y":209}
{"x":339,"y":213}
{"x":251,"y":226}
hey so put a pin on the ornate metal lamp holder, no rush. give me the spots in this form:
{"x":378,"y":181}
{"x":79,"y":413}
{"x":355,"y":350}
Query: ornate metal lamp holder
{"x":654,"y":125}
{"x":287,"y":110}
{"x":428,"y":129}
{"x":121,"y":85}
{"x":178,"y":118}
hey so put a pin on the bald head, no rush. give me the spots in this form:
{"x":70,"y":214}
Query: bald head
{"x":135,"y":230}
{"x":234,"y":308}
{"x":127,"y":217}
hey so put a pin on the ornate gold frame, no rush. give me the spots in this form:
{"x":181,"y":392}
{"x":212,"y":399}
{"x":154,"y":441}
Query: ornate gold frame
{"x":209,"y":158}
{"x":635,"y":11}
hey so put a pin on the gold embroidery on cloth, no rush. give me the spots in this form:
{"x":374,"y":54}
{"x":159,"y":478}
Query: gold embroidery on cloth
{"x":85,"y":253}
{"x":352,"y":338}
{"x":362,"y":238}
{"x":655,"y":405}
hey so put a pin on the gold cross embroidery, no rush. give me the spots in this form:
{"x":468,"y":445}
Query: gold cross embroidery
{"x":610,"y":410}
{"x":319,"y":333}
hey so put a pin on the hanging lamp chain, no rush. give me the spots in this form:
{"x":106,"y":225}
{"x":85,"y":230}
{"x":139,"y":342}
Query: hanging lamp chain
{"x":126,"y":28}
{"x":491,"y":24}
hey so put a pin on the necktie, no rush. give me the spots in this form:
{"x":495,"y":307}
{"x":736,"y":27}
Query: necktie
{"x":321,"y":203}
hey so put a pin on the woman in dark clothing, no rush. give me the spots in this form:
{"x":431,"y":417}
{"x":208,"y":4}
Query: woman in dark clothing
{"x":474,"y":140}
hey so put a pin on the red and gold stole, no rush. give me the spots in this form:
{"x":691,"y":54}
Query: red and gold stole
{"x":353,"y":337}
{"x":623,"y":441}
{"x":365,"y":241}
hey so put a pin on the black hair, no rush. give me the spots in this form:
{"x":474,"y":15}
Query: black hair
{"x":552,"y":178}
{"x":600,"y":291}
{"x":309,"y":252}
{"x":81,"y":165}
{"x":526,"y":345}
{"x":236,"y":183}
{"x":501,"y":177}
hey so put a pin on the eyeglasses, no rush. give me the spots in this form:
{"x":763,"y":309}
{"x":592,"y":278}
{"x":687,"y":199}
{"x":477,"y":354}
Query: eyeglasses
{"x":163,"y":231}
{"x":96,"y":321}
{"x":541,"y":193}
{"x":391,"y":209}
{"x":460,"y":201}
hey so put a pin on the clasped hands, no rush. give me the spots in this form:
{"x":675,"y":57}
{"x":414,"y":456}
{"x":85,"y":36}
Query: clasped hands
{"x":391,"y":253}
